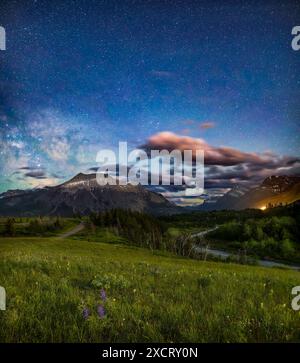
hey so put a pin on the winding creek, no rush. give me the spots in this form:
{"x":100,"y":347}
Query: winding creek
{"x":224,"y":254}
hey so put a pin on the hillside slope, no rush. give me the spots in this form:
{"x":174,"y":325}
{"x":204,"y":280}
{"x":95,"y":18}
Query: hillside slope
{"x":53,"y":295}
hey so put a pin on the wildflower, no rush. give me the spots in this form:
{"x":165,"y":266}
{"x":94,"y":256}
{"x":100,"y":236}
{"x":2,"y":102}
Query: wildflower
{"x":100,"y":311}
{"x":103,"y":294}
{"x":85,"y":313}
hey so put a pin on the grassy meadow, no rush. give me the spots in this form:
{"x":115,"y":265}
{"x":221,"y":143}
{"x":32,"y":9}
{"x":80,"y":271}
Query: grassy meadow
{"x":82,"y":290}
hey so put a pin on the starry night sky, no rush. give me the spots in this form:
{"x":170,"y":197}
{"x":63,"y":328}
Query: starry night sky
{"x":79,"y":76}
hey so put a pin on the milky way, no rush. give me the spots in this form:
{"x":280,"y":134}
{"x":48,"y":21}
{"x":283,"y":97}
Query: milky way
{"x":79,"y":76}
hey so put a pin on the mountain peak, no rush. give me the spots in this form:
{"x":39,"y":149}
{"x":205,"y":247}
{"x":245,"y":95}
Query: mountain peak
{"x":82,"y":194}
{"x":80,"y":179}
{"x":279,"y":183}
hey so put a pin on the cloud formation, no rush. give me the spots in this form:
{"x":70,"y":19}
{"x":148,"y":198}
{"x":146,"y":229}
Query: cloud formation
{"x":223,"y":155}
{"x":38,"y":174}
{"x":226,"y":166}
{"x":207,"y":125}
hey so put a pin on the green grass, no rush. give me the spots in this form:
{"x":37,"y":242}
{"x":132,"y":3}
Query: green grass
{"x":151,"y":297}
{"x":104,"y":235}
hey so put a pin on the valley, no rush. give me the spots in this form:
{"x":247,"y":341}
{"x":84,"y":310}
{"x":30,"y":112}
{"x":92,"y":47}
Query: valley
{"x":78,"y":265}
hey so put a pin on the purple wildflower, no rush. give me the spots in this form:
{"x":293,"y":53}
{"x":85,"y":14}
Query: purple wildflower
{"x":103,"y":294}
{"x":86,"y":313}
{"x":100,"y":311}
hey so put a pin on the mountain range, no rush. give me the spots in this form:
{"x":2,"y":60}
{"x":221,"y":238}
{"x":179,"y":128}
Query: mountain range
{"x":83,"y":195}
{"x":273,"y":191}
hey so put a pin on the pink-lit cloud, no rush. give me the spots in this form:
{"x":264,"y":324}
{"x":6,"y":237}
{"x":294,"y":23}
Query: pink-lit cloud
{"x":226,"y":166}
{"x":207,"y":125}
